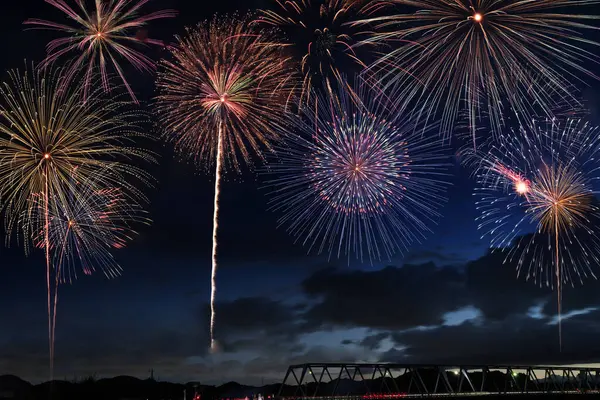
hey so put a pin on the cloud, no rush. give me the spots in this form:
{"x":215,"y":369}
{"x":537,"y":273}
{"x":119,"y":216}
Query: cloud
{"x":255,"y":324}
{"x":372,"y":342}
{"x":399,"y":298}
{"x":254,"y":313}
{"x":494,"y":288}
{"x":515,"y":340}
{"x":391,"y":298}
{"x":438,"y":256}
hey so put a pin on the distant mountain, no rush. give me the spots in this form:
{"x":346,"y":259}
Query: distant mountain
{"x":13,"y":387}
{"x":123,"y":387}
{"x":117,"y":388}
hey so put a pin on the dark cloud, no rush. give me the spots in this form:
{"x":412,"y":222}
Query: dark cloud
{"x":419,"y":295}
{"x":254,"y":323}
{"x":438,"y":256}
{"x":372,"y":342}
{"x":391,"y":298}
{"x":253,"y":313}
{"x":575,"y":298}
{"x":504,"y":332}
{"x":516,"y":340}
{"x":494,"y":288}
{"x":497,"y":290}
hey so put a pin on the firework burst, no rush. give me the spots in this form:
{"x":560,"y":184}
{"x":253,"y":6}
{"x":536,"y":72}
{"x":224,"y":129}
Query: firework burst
{"x":84,"y":229}
{"x":541,"y":180}
{"x":319,"y":31}
{"x":52,"y":143}
{"x":357,"y":182}
{"x":474,"y":55}
{"x":222,"y":98}
{"x":102,"y":36}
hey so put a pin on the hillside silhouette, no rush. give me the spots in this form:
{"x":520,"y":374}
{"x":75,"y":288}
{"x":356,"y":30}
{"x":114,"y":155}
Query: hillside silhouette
{"x":123,"y":387}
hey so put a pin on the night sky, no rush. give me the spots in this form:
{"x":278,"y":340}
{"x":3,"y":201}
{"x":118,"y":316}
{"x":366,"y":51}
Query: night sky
{"x":447,"y":300}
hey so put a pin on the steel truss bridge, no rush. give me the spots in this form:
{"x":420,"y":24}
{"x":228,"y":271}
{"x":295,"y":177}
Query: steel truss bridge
{"x":394,"y":381}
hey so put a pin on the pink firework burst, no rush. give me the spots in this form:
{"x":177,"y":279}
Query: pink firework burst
{"x":101,"y":35}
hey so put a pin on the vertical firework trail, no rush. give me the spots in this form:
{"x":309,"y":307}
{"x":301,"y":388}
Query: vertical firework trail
{"x":558,"y":284}
{"x":56,"y":283}
{"x":48,"y":266}
{"x":52,"y":292}
{"x":213,"y":275}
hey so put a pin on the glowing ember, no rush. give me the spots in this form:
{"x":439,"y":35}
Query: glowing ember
{"x":521,"y":187}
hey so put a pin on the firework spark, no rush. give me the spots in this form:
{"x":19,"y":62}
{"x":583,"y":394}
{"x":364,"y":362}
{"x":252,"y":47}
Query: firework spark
{"x":319,"y":31}
{"x":51,"y":144}
{"x":222,"y":98}
{"x":358,"y":181}
{"x":472,"y":55}
{"x":102,"y":36}
{"x":86,"y":226}
{"x":540,"y":180}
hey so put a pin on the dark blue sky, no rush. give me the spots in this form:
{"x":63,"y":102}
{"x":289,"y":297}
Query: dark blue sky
{"x":451,"y":301}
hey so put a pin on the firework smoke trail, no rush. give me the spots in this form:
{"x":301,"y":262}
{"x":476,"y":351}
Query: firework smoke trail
{"x":322,"y":37}
{"x":464,"y":56}
{"x":358,"y":180}
{"x":51,"y":144}
{"x":223,"y":96}
{"x":100,"y":37}
{"x":541,"y":179}
{"x":213,"y":275}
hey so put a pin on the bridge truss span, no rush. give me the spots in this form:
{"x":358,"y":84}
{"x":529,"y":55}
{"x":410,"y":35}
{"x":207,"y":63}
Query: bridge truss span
{"x":390,"y":381}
